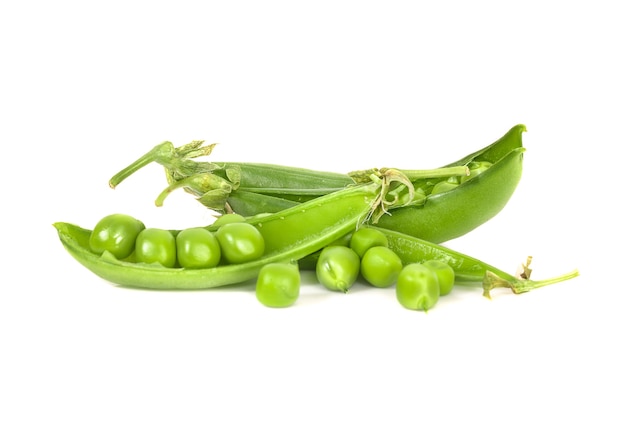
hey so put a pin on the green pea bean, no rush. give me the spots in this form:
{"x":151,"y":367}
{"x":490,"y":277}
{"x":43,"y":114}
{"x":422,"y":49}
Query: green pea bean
{"x":380,"y":266}
{"x":417,"y":287}
{"x":278,"y":285}
{"x":115,"y":233}
{"x":224,"y":219}
{"x":338,"y":268}
{"x":445,"y":275}
{"x":446,"y":185}
{"x":197,"y":248}
{"x":156,"y":245}
{"x":476,"y":168}
{"x":240,"y":242}
{"x":365,"y":238}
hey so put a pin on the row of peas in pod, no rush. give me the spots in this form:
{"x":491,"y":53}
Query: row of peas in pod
{"x":127,"y":238}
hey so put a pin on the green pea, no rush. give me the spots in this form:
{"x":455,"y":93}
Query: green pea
{"x":380,"y":266}
{"x":224,"y":219}
{"x":446,"y":185}
{"x":476,"y":168}
{"x":365,"y":238}
{"x":240,"y":242}
{"x":417,"y":287}
{"x":197,"y":248}
{"x":115,"y":233}
{"x":445,"y":275}
{"x":156,"y":245}
{"x":338,"y":268}
{"x":278,"y":285}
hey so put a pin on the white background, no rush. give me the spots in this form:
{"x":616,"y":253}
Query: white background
{"x":87,"y":87}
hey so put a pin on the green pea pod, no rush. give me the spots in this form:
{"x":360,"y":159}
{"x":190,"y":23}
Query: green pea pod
{"x":467,"y":270}
{"x":252,"y":188}
{"x":455,"y":212}
{"x":289,"y":235}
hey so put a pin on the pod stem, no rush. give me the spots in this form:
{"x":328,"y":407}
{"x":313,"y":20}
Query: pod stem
{"x":176,"y":161}
{"x":444,"y":172}
{"x":210,"y":189}
{"x":363,"y":176}
{"x":521,"y":284}
{"x":161,"y":152}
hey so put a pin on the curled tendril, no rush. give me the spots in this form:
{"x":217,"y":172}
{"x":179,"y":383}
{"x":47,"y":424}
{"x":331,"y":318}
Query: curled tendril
{"x":396,"y":190}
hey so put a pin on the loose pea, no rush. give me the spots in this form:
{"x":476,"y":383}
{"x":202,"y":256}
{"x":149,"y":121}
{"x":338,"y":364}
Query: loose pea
{"x":240,"y":242}
{"x":197,"y":248}
{"x":156,"y":245}
{"x":278,"y":285}
{"x":338,"y":268}
{"x":364,"y":238}
{"x":115,"y":233}
{"x":380,"y":266}
{"x":445,"y":275}
{"x":417,"y":287}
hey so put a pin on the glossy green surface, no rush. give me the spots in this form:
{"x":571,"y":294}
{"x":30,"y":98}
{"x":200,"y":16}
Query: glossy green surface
{"x":155,"y":245}
{"x":197,"y":248}
{"x":417,"y":287}
{"x":338,"y":268}
{"x":380,"y":266}
{"x":115,"y":233}
{"x":240,"y":242}
{"x":278,"y":285}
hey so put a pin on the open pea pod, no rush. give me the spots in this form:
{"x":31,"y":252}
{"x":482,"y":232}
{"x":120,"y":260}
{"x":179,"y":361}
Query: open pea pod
{"x":252,"y":188}
{"x":455,"y":212}
{"x":289,"y":235}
